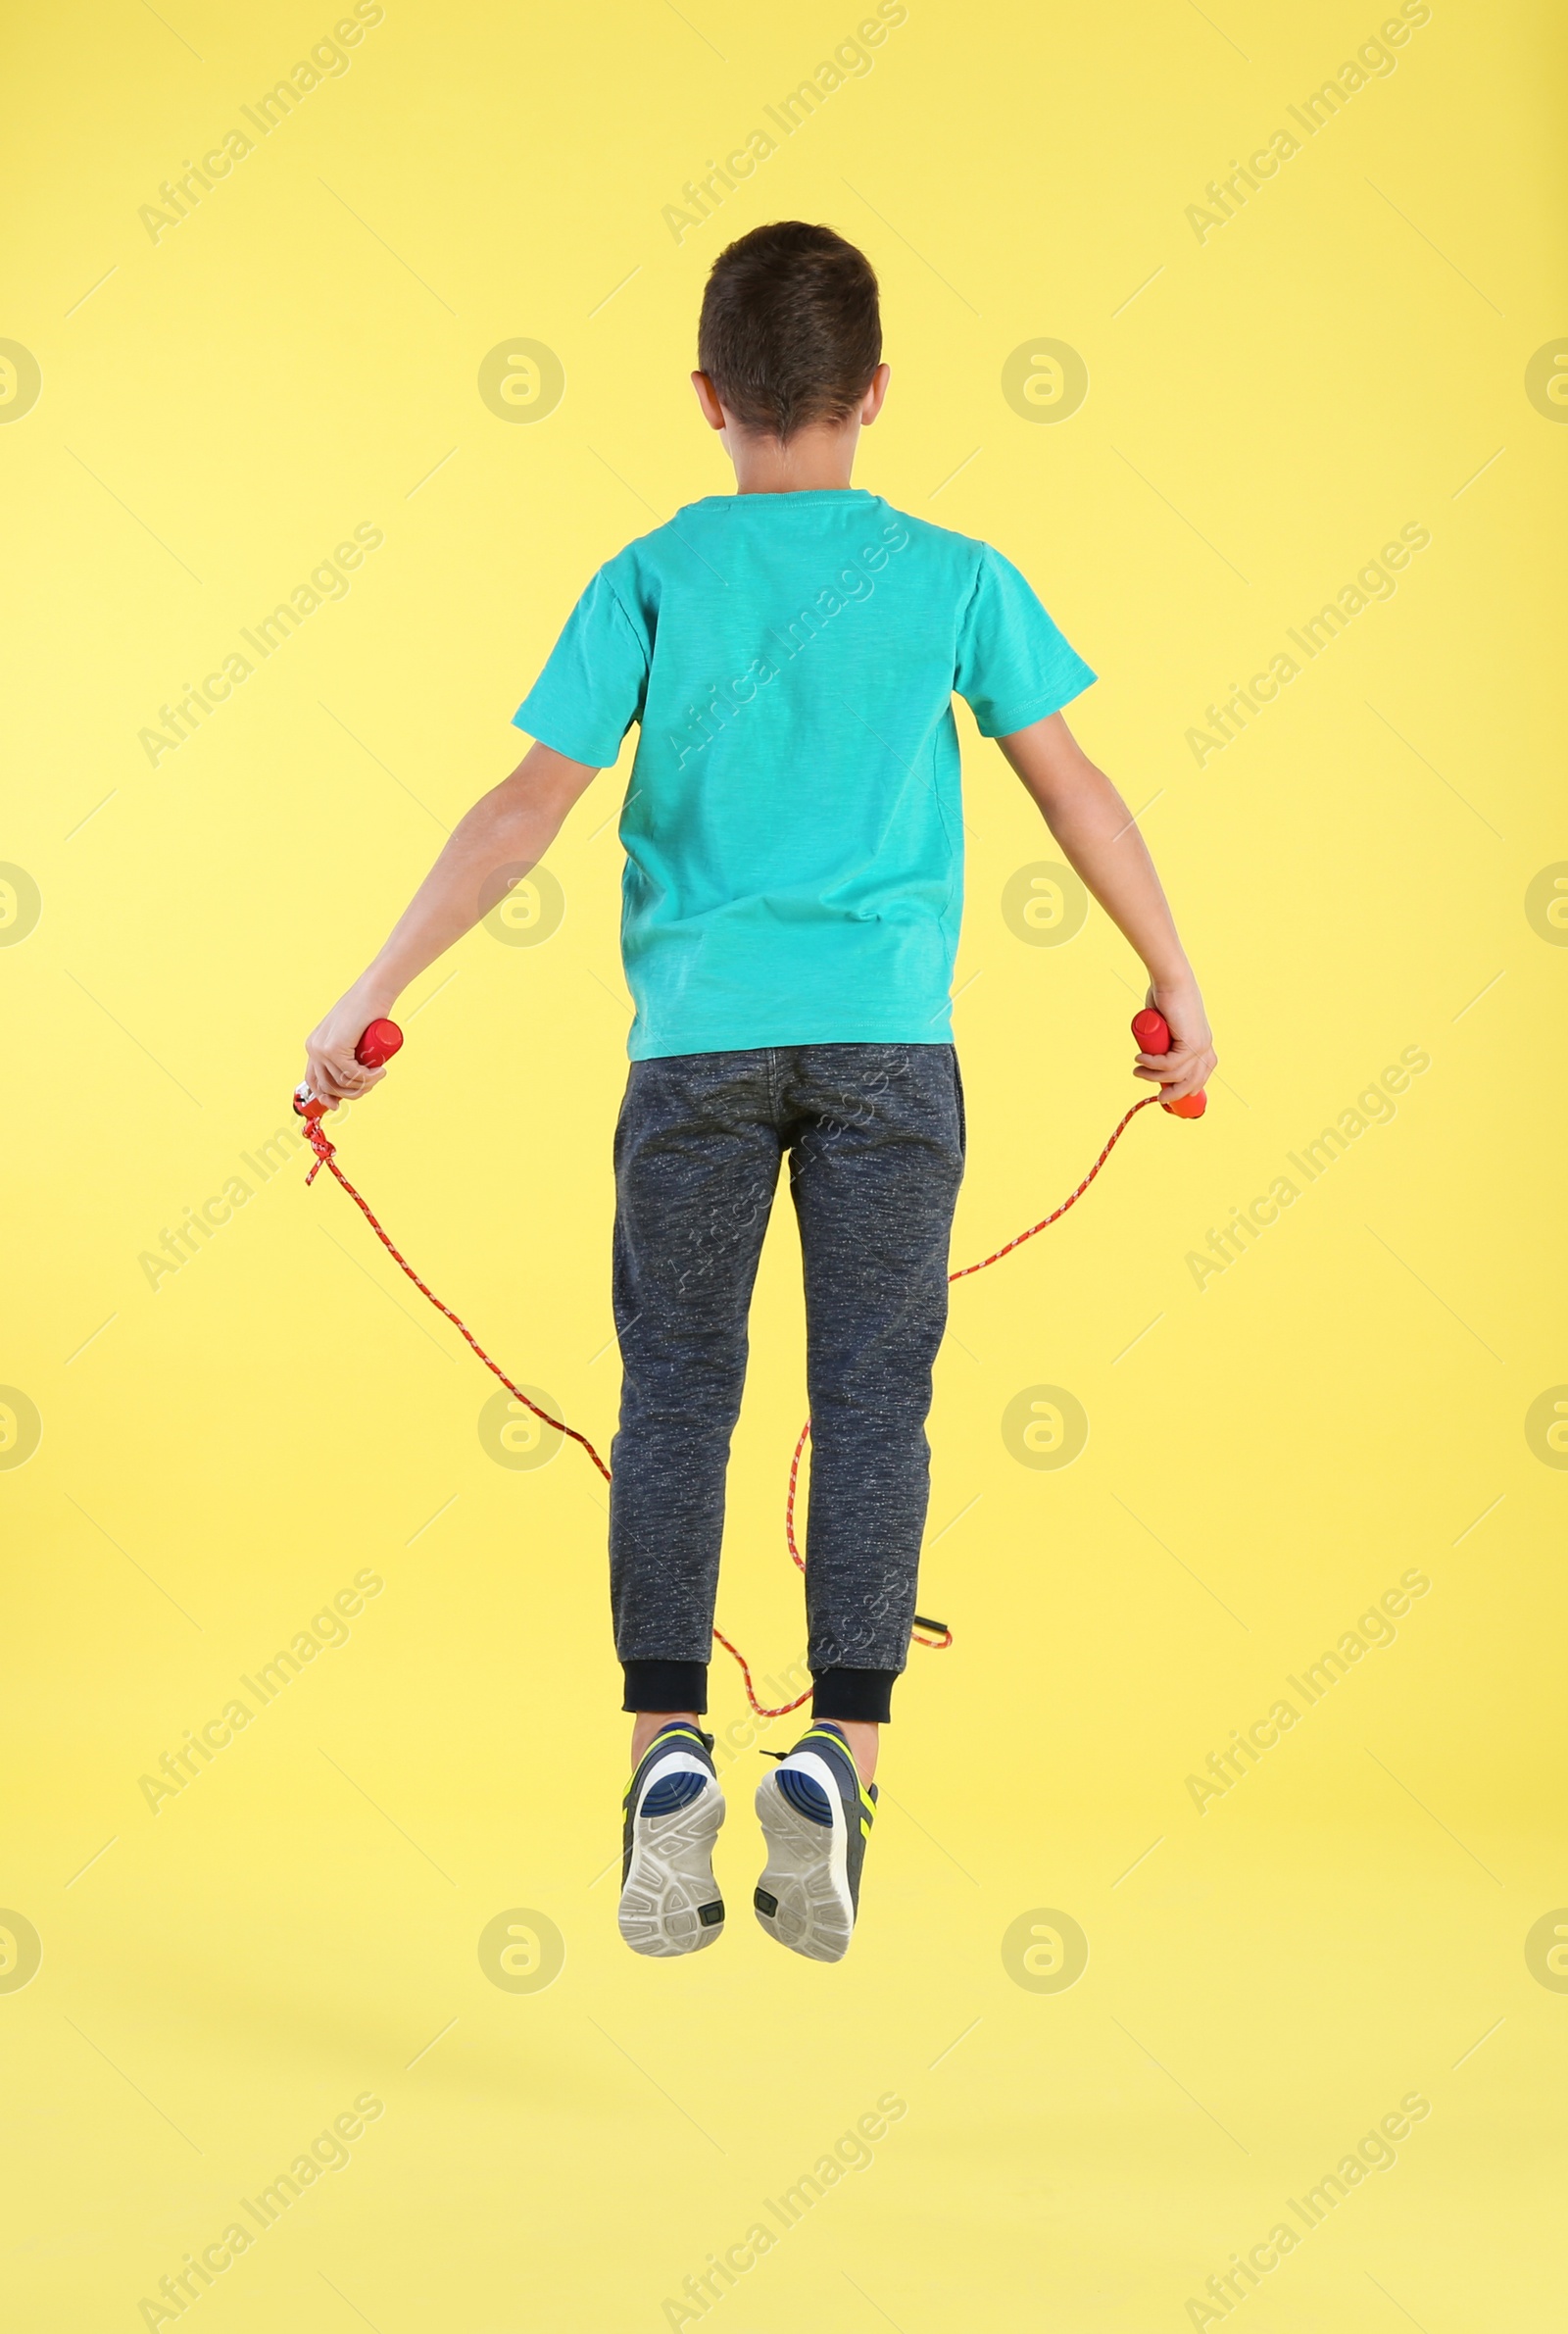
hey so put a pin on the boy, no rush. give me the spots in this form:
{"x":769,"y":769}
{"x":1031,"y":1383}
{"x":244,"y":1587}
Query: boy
{"x":791,"y":903}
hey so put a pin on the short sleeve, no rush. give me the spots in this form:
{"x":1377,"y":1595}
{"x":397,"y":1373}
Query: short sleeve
{"x":592,"y":688}
{"x":1013,"y":667}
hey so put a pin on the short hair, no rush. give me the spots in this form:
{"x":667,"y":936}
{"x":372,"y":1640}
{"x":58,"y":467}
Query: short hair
{"x":791,"y":331}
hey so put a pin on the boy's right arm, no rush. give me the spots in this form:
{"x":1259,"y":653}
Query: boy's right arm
{"x":510,"y":827}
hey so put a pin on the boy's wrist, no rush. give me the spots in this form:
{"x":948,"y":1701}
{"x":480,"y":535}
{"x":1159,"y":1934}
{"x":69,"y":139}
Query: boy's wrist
{"x":377,"y":991}
{"x":378,"y":985}
{"x":1177,"y":973}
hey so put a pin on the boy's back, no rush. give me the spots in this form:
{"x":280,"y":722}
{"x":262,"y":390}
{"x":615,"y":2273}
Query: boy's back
{"x":792,"y":824}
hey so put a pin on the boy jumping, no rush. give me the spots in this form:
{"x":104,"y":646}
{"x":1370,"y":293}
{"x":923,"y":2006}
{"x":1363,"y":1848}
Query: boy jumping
{"x":792,"y":894}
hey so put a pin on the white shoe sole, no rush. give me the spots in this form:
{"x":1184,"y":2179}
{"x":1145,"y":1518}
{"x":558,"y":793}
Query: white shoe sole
{"x":805,"y":1878}
{"x":671,"y":1876}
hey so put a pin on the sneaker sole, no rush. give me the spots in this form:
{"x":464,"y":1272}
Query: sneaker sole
{"x":671,"y":1902}
{"x":803,"y":1898}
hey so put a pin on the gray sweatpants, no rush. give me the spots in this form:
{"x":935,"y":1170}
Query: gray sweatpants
{"x":875,"y":1137}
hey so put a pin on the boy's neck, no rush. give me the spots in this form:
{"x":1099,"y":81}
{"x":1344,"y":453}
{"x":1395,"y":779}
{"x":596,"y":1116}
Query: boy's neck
{"x":813,"y":459}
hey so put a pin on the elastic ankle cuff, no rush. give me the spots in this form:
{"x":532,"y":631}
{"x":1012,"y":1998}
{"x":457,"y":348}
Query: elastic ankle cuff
{"x":865,"y":1695}
{"x":665,"y":1685}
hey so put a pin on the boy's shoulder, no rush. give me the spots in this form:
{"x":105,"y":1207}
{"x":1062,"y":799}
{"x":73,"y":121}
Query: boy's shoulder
{"x":941,"y":543}
{"x":694,"y":528}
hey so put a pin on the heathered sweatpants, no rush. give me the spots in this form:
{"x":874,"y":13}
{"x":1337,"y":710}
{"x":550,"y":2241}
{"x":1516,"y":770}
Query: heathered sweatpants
{"x":875,"y":1135}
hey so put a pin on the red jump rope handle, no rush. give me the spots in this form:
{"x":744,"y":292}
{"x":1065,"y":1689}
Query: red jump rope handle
{"x":376,"y":1047}
{"x":1153,"y":1032}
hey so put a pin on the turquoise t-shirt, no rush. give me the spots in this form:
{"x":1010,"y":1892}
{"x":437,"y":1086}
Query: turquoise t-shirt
{"x":793,"y":822}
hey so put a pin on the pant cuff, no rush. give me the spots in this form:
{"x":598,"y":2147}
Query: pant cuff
{"x":665,"y":1685}
{"x":862,"y":1694}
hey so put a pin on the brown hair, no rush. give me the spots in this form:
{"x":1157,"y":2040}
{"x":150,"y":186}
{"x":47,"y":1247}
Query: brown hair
{"x":791,"y":331}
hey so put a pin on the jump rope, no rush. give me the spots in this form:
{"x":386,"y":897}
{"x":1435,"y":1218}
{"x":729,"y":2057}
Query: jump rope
{"x":382,"y":1039}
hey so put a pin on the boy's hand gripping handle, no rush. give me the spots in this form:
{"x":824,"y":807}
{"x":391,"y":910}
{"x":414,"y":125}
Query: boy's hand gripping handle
{"x":376,"y":1047}
{"x":1153,"y":1032}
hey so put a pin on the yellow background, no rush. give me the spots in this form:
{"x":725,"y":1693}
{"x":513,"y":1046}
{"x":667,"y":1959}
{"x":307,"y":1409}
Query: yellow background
{"x":220,"y":1456}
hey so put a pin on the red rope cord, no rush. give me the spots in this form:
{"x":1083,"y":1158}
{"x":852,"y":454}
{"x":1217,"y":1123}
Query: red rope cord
{"x":326,"y":1157}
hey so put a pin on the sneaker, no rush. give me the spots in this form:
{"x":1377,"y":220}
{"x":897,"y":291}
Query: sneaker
{"x":817,"y":1820}
{"x":669,"y":1900}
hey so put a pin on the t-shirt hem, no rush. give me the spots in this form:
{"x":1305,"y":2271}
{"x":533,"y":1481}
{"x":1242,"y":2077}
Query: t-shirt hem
{"x":575,"y":751}
{"x":1022,"y":716}
{"x":758,"y":1037}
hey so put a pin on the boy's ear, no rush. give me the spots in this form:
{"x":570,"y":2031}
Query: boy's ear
{"x":871,"y":402}
{"x":707,"y":398}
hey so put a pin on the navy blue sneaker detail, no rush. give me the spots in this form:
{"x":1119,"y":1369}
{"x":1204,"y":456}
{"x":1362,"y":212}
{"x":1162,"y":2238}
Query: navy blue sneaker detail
{"x":806,"y":1797}
{"x":673,"y":1808}
{"x":670,"y":1794}
{"x":808,"y":1895}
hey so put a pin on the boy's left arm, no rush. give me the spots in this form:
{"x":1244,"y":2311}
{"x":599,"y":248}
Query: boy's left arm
{"x":1100,"y":838}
